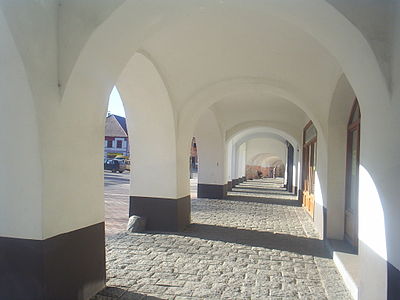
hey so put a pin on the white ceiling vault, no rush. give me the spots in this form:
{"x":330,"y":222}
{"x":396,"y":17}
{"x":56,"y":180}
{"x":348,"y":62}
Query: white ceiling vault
{"x":224,"y":54}
{"x":229,"y":44}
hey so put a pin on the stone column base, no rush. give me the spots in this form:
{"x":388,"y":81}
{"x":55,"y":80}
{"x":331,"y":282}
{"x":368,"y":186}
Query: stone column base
{"x":393,"y":289}
{"x":69,"y":266}
{"x":211,"y":191}
{"x":162,"y":214}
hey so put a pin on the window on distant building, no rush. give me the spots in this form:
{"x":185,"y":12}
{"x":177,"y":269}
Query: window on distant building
{"x":109,"y":144}
{"x":119,"y":144}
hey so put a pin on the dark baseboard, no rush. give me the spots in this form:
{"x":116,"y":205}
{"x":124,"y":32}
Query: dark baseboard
{"x":162,"y":214}
{"x":229,"y":186}
{"x":300,"y":197}
{"x":225,"y":191}
{"x":393,"y":289}
{"x":211,"y":191}
{"x":69,"y":266}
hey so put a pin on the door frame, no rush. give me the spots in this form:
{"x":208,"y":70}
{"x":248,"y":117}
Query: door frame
{"x":308,"y":197}
{"x":351,"y":128}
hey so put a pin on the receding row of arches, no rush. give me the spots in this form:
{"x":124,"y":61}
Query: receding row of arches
{"x":176,"y":87}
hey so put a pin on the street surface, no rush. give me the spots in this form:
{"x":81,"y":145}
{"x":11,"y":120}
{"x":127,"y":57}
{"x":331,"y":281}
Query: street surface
{"x":116,"y":200}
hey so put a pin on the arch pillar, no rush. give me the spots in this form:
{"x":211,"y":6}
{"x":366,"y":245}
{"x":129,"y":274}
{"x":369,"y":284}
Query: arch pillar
{"x":238,"y":163}
{"x":296,"y":169}
{"x":151,"y":125}
{"x":242,"y":162}
{"x":228,"y":162}
{"x":48,"y":248}
{"x":290,"y":167}
{"x":210,"y":147}
{"x":235,"y":165}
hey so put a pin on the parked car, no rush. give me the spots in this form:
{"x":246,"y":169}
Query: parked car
{"x":128,"y":164}
{"x":114,"y":165}
{"x":125,"y":160}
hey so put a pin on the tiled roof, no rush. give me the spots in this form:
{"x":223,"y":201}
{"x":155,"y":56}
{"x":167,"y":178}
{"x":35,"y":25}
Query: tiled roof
{"x":122,"y":122}
{"x":116,"y":126}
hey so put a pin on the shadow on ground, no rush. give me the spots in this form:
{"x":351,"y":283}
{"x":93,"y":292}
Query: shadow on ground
{"x":262,"y":199}
{"x":114,"y":293}
{"x":261,"y":191}
{"x":254,"y":238}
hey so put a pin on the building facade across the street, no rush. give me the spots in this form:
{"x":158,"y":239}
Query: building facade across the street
{"x":116,"y":140}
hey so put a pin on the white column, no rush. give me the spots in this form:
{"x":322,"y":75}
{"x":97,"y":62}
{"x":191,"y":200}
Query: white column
{"x":210,"y":149}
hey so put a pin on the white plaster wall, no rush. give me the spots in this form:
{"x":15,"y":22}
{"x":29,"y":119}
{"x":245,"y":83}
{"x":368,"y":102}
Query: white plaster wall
{"x":228,"y":160}
{"x":234,"y":161}
{"x":296,"y":166}
{"x":376,"y":21}
{"x":378,"y":194}
{"x":20,"y":158}
{"x":377,"y":189}
{"x":210,"y":149}
{"x":69,"y":191}
{"x":285,"y":162}
{"x":244,"y":132}
{"x":238,"y":159}
{"x":395,"y":63}
{"x":242,"y":160}
{"x":151,"y":126}
{"x":257,"y":108}
{"x":77,"y":20}
{"x":392,"y":219}
{"x":342,"y":103}
{"x":378,"y":210}
{"x":264,"y":145}
{"x":33,"y":25}
{"x":321,"y":183}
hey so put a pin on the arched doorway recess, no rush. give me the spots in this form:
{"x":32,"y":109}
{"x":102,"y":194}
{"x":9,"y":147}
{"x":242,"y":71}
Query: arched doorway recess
{"x":309,"y":167}
{"x":352,"y":174}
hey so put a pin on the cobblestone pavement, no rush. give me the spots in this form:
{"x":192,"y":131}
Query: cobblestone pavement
{"x":245,"y":247}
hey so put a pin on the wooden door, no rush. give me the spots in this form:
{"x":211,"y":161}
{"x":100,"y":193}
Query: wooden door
{"x":309,"y":164}
{"x":352,"y":173}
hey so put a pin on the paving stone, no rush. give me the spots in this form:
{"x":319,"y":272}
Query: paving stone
{"x":239,"y":248}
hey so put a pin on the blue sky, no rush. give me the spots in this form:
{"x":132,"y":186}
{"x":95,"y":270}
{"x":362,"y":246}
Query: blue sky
{"x":115,"y":105}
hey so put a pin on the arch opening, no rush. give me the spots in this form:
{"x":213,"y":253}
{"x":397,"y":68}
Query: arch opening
{"x":117,"y":165}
